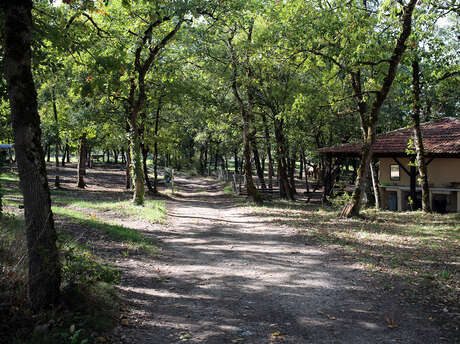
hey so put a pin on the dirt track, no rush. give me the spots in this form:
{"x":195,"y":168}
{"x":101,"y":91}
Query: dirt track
{"x":226,"y":276}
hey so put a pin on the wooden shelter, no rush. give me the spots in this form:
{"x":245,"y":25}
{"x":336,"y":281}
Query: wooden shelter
{"x":397,"y":170}
{"x":6,"y":153}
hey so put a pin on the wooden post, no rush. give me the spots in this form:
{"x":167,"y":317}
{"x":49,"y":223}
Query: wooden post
{"x":413,"y":183}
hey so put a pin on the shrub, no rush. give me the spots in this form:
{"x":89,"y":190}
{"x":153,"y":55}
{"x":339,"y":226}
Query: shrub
{"x":82,"y":269}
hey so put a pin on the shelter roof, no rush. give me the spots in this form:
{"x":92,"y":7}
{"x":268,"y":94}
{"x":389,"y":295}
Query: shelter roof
{"x":441,"y":138}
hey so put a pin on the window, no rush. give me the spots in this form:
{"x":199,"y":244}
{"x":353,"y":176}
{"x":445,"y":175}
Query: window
{"x":394,"y":172}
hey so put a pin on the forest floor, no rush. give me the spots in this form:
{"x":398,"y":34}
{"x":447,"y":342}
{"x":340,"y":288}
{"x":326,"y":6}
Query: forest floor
{"x":216,"y":270}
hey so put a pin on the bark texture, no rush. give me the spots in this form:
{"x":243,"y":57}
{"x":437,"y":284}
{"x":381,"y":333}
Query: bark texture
{"x":369,"y":120}
{"x":82,"y":162}
{"x":285,"y":187}
{"x":246,"y":116}
{"x":56,"y":139}
{"x":44,"y":271}
{"x":418,"y":140}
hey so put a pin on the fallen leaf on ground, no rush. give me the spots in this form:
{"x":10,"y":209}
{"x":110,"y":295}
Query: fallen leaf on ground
{"x":185,"y":336}
{"x":330,"y":317}
{"x":391,"y":323}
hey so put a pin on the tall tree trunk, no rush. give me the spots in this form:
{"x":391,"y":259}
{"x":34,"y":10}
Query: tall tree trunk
{"x":122,"y":153}
{"x":246,"y":117}
{"x":418,"y":140}
{"x":89,"y":161}
{"x":369,"y":121}
{"x":307,"y":185}
{"x":326,"y":178}
{"x":292,"y":174}
{"x":285,"y":187}
{"x":48,"y":152}
{"x":269,"y":151}
{"x":301,"y":157}
{"x":115,"y":156}
{"x":128,"y":178}
{"x":145,"y":154}
{"x":64,"y":154}
{"x":138,"y":168}
{"x":143,"y":61}
{"x":155,"y":148}
{"x":259,"y":169}
{"x":44,"y":276}
{"x":82,"y":162}
{"x":216,"y":157}
{"x":235,"y":158}
{"x":68,"y":153}
{"x":56,"y":139}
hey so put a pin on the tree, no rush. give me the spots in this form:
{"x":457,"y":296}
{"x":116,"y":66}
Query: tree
{"x":44,"y":270}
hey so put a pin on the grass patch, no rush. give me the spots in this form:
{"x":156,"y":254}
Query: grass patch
{"x":153,"y":210}
{"x":228,"y":189}
{"x":8,"y":177}
{"x":116,"y":232}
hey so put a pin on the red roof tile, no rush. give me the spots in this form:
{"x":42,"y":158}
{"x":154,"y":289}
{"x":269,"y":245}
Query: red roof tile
{"x":441,"y":137}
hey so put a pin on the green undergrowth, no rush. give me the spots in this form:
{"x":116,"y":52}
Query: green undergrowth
{"x":89,"y":303}
{"x":416,"y":250}
{"x":228,"y":189}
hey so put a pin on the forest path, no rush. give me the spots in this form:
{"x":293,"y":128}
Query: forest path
{"x":227,"y":276}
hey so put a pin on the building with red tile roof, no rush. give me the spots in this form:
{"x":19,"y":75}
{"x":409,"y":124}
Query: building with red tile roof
{"x":441,"y":140}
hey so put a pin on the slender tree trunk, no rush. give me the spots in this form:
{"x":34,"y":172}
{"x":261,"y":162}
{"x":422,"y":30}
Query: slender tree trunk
{"x":369,"y":121}
{"x":145,"y":154}
{"x":269,"y":151}
{"x":68,"y":153}
{"x":236,"y":161}
{"x":326,"y":177}
{"x":155,"y":148}
{"x":128,"y":179}
{"x":246,"y":117}
{"x":285,"y":187}
{"x":64,"y":154}
{"x":44,"y":272}
{"x":418,"y":140}
{"x":307,"y":185}
{"x":292,"y":174}
{"x":115,"y":156}
{"x":89,"y":161}
{"x":138,"y":168}
{"x":82,"y":162}
{"x":48,"y":153}
{"x":259,"y":169}
{"x":375,"y":185}
{"x":216,"y":157}
{"x":301,"y":157}
{"x":56,"y":139}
